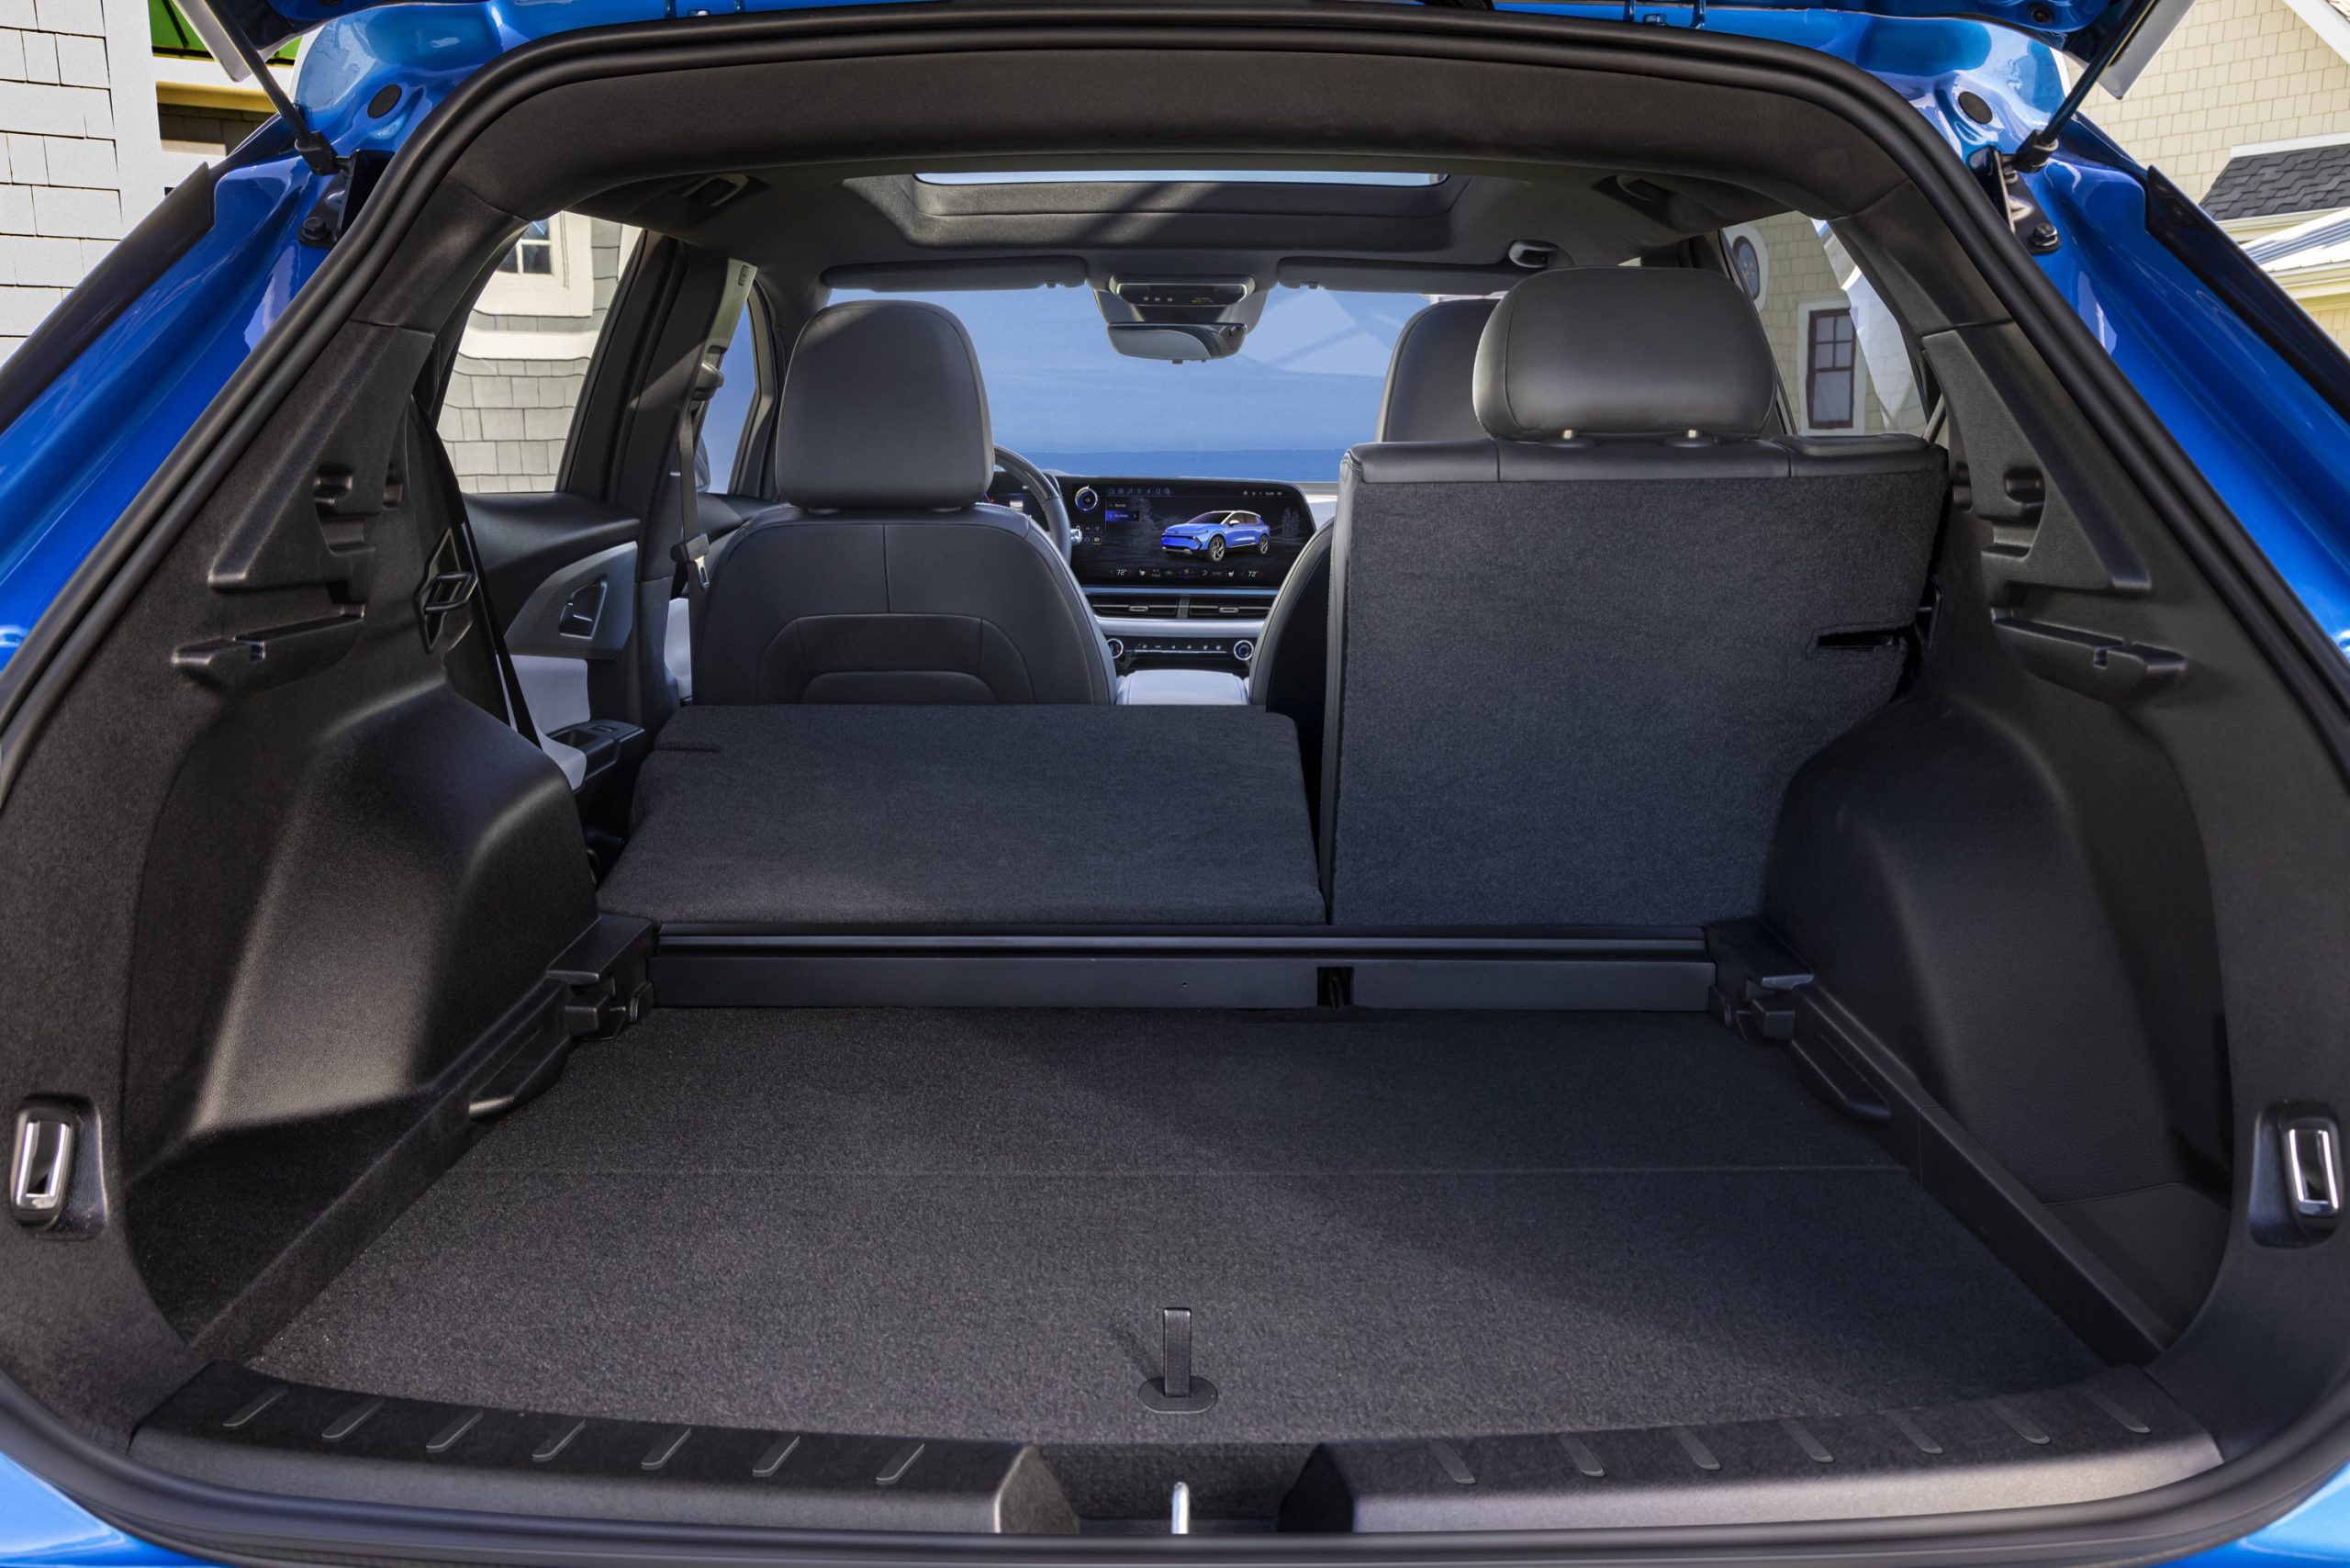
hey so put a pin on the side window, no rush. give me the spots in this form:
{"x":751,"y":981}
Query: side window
{"x":1828,"y":370}
{"x":523,"y":358}
{"x":1842,"y":361}
{"x":735,"y":405}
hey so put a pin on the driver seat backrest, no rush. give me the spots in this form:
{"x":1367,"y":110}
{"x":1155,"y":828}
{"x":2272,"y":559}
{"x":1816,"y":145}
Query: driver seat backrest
{"x":1426,"y":398}
{"x":885,"y":577}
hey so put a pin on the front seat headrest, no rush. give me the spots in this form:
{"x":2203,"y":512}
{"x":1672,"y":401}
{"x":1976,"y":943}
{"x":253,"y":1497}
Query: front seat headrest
{"x":882,"y":407}
{"x":1429,"y":378}
{"x":1625,"y":351}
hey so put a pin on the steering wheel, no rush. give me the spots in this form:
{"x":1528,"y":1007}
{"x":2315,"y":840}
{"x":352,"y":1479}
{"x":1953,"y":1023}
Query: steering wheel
{"x":1045,"y":493}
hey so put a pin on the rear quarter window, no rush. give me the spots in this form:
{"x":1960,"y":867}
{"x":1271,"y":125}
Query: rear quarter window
{"x":1842,"y":361}
{"x":522,"y":361}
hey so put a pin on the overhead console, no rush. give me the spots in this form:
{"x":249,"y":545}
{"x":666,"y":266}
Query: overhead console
{"x":1179,"y":571}
{"x":1182,"y":318}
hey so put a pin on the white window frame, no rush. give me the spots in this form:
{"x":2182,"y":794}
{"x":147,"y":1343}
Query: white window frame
{"x":569,"y":290}
{"x":567,"y":296}
{"x":1802,"y":390}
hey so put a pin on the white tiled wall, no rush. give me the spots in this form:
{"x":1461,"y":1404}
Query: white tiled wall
{"x":79,"y":156}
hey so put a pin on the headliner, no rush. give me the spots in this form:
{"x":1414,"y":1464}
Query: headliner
{"x":882,"y":227}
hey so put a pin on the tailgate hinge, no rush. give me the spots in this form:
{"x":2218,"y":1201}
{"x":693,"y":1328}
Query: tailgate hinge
{"x":2014,"y":200}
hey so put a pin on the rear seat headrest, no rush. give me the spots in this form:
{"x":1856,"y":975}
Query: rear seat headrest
{"x":1428,"y":395}
{"x":883,"y":406}
{"x":1624,"y":351}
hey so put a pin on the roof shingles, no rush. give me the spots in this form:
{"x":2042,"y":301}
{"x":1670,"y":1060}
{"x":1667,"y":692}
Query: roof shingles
{"x":2261,"y":184}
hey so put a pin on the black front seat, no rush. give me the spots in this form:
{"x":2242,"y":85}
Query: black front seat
{"x":1428,"y":398}
{"x":886,"y":578}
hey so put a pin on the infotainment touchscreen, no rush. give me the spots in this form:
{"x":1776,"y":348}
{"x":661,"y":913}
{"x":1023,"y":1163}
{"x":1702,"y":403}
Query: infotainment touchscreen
{"x":1160,"y":531}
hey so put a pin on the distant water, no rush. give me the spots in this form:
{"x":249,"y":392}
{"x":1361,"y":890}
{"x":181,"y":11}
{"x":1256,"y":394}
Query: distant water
{"x":1290,"y":466}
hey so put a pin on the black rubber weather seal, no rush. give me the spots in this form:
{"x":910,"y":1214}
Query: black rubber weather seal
{"x":2206,"y":250}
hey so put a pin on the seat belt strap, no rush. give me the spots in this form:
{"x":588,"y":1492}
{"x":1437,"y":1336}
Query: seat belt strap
{"x":692,"y":549}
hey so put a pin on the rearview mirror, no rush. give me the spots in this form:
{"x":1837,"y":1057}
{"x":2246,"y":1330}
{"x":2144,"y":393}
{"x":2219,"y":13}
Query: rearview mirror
{"x":1177,"y":340}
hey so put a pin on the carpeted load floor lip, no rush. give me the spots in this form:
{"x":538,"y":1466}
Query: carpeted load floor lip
{"x":962,"y":1223}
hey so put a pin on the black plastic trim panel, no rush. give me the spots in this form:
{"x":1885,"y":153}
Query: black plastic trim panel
{"x":1771,"y":998}
{"x":525,"y":539}
{"x":1654,"y":974}
{"x":238,"y":1427}
{"x":227,"y":1261}
{"x":1953,"y":1165}
{"x":2113,"y":1434}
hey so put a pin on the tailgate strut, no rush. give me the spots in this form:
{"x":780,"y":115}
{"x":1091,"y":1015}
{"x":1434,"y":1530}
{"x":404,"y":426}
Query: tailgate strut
{"x":239,"y":57}
{"x":2041,"y":145}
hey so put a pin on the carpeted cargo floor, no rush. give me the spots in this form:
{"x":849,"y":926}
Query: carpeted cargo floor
{"x":964,"y":1224}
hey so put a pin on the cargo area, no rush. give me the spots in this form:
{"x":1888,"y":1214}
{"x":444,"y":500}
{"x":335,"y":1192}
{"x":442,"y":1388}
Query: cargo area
{"x":966,"y":1225}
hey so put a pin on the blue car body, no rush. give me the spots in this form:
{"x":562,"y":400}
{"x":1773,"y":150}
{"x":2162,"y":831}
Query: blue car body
{"x":2271,"y":441}
{"x":1237,"y":530}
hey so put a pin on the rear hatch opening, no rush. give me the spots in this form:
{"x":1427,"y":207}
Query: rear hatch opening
{"x":1748,"y":991}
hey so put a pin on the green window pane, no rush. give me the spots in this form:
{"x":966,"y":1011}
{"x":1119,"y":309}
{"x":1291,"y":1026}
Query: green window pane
{"x":172,"y":34}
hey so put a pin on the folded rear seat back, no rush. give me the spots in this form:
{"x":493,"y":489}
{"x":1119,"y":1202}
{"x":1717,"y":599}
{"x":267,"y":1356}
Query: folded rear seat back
{"x":1575,"y":664}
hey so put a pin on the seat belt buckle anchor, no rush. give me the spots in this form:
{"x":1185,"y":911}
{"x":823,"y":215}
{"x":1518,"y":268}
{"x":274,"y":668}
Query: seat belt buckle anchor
{"x":694,"y":553}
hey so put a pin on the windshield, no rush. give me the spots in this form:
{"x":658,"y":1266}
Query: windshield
{"x":1304,"y":388}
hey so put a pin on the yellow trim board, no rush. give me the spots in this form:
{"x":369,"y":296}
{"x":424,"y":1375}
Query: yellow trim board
{"x":2317,"y":284}
{"x":183,"y":96}
{"x":201,"y":85}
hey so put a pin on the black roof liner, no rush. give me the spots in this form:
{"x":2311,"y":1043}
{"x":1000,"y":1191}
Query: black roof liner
{"x":840,"y":223}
